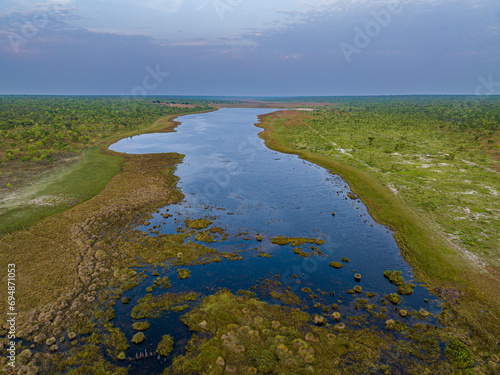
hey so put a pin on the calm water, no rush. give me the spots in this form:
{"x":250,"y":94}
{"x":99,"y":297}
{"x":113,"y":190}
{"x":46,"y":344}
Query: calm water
{"x":230,"y":174}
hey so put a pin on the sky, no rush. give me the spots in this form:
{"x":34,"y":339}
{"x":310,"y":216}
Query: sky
{"x":250,"y":47}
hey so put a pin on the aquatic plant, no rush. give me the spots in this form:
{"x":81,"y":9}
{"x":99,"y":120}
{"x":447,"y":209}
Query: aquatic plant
{"x":424,"y":313}
{"x":394,"y":277}
{"x":336,"y":264}
{"x":337,"y":316}
{"x":393,"y":298}
{"x":183,"y":273}
{"x":165,"y":346}
{"x":198,"y":223}
{"x":138,"y":338}
{"x":152,"y":306}
{"x":405,"y":289}
{"x":141,"y":326}
{"x":352,"y":196}
{"x":390,"y":324}
{"x":296,"y":241}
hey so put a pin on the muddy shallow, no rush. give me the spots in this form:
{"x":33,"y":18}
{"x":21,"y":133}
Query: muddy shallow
{"x":229,"y":176}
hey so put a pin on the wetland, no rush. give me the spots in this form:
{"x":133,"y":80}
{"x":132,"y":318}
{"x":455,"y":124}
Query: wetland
{"x":211,"y":253}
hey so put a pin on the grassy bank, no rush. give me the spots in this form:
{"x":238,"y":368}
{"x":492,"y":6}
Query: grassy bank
{"x":60,"y":190}
{"x":74,"y":182}
{"x":101,"y":183}
{"x":439,"y":263}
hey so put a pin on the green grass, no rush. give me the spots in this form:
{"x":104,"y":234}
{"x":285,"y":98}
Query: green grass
{"x":65,"y":187}
{"x":62,"y":189}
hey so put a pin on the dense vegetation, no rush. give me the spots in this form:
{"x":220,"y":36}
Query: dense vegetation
{"x":480,"y":113}
{"x":42,"y":127}
{"x":50,"y":148}
{"x":440,"y":155}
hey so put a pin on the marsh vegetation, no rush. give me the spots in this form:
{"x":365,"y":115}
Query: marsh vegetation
{"x":140,"y":282}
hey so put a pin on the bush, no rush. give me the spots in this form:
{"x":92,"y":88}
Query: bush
{"x":459,"y":354}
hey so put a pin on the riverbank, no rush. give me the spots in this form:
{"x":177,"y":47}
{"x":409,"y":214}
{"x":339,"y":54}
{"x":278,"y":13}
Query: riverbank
{"x":470,"y":293}
{"x":69,"y":184}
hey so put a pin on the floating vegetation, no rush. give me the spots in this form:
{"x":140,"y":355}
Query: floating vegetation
{"x":390,"y":324}
{"x":352,"y":195}
{"x":286,"y":297}
{"x":336,"y":264}
{"x":345,"y":260}
{"x":198,"y":223}
{"x":152,"y":306}
{"x":204,"y":236}
{"x":337,"y":316}
{"x":393,"y":298}
{"x":165,"y":346}
{"x":296,"y":241}
{"x":263,"y":254}
{"x":232,"y":256}
{"x":166,"y":283}
{"x":405,"y":289}
{"x":138,"y":338}
{"x":300,"y":253}
{"x":394,"y":277}
{"x":424,"y":313}
{"x":141,"y":326}
{"x":183,"y":273}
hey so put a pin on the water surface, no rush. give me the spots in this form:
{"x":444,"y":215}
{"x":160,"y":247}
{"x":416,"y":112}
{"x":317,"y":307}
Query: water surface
{"x":247,"y":189}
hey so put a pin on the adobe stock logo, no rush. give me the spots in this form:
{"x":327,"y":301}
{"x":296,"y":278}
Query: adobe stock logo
{"x":31,"y":27}
{"x":363,"y":37}
{"x":487,"y":87}
{"x":221,"y":7}
{"x":150,"y":81}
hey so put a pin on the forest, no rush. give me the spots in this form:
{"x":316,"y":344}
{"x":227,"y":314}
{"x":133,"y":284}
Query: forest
{"x":35,"y":128}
